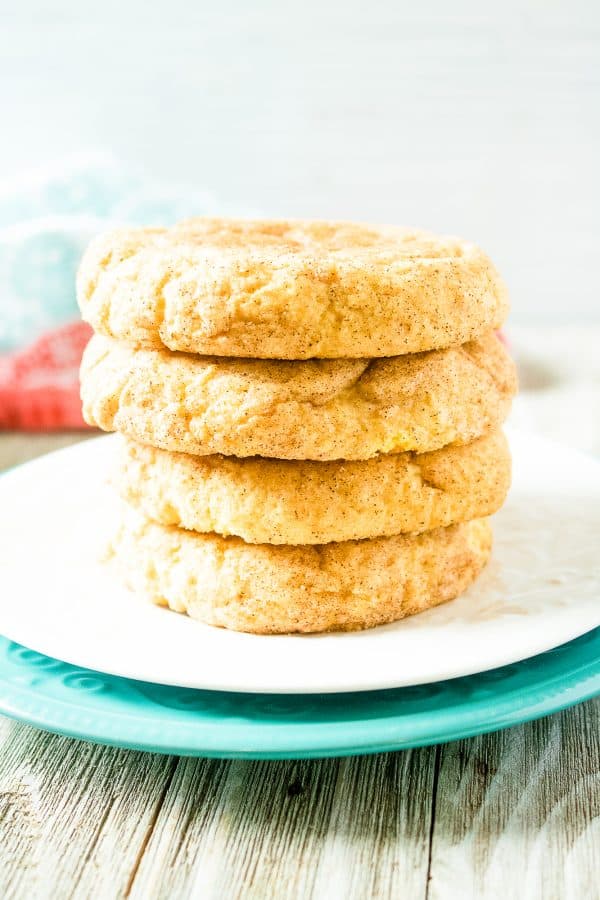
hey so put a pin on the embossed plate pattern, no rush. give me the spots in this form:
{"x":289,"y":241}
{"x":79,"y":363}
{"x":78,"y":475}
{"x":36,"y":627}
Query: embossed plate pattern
{"x":540,"y":590}
{"x":79,"y":703}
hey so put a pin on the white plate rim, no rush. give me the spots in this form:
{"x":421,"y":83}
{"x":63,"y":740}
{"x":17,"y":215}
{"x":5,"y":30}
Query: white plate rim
{"x":562,"y":625}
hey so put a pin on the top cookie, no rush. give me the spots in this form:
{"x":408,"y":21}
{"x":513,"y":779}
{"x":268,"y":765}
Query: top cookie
{"x":288,"y":289}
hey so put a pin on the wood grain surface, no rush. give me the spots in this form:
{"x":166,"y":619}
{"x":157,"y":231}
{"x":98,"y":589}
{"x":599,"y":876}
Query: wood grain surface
{"x":513,"y":814}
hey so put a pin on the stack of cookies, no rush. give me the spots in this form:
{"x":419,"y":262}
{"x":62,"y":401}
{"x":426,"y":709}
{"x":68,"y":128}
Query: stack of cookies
{"x":311,"y":415}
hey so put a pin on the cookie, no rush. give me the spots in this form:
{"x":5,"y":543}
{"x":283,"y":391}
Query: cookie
{"x":270,"y":501}
{"x":280,"y":589}
{"x":288,"y":289}
{"x":316,"y":409}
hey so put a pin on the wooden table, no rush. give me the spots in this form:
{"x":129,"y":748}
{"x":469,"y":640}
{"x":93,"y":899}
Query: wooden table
{"x":513,"y":814}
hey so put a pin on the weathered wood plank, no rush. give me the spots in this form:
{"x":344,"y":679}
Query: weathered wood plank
{"x":74,"y":817}
{"x":78,"y":820}
{"x":377,"y":842}
{"x":334,"y":828}
{"x":518,"y":813}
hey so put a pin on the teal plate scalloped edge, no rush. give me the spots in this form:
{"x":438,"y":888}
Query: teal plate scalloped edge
{"x":80,"y":703}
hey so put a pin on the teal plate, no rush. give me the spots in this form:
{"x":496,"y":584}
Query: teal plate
{"x":55,"y":696}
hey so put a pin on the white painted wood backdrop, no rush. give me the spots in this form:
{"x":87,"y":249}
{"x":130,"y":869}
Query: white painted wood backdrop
{"x":473,"y":117}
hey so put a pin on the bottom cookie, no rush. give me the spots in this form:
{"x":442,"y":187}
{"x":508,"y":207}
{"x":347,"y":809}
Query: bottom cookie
{"x":270,"y":589}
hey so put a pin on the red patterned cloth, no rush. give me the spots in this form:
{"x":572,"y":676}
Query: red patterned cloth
{"x":39,"y":386}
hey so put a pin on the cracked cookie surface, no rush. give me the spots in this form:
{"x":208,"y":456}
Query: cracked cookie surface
{"x":301,"y":502}
{"x":271,"y":589}
{"x":315,"y":409}
{"x":288,"y":289}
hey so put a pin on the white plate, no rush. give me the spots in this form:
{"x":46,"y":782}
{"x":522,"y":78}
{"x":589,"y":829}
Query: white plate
{"x":542,"y":588}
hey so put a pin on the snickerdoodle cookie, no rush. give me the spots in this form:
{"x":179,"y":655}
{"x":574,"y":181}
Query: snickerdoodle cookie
{"x":274,"y":501}
{"x":289,"y":289}
{"x":278,"y":589}
{"x":315,"y":409}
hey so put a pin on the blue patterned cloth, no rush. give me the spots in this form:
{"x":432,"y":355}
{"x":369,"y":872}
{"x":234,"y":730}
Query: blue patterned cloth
{"x":46,"y":220}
